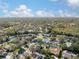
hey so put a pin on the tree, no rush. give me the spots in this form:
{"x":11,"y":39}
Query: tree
{"x":75,"y":47}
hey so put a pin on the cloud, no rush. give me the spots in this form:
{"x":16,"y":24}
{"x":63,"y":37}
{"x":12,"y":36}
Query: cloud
{"x":42,"y":13}
{"x":24,"y":11}
{"x":66,"y":14}
{"x":74,"y":3}
{"x":3,"y":7}
{"x":21,"y":11}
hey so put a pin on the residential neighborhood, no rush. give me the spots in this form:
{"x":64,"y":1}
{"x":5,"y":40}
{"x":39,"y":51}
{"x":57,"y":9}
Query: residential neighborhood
{"x":19,"y":40}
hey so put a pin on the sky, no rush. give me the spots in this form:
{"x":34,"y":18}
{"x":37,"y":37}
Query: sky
{"x":39,"y":8}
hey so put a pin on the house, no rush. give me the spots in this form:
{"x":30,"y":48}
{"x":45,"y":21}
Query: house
{"x":1,"y":51}
{"x":47,"y":35}
{"x":68,"y":44}
{"x":47,"y":40}
{"x":55,"y":51}
{"x":72,"y":24}
{"x":9,"y":56}
{"x":36,"y":55}
{"x":27,"y":52}
{"x":68,"y":55}
{"x":9,"y":47}
{"x":22,"y":57}
{"x":55,"y":43}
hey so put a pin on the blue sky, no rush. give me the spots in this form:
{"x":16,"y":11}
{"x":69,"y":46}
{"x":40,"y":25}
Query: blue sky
{"x":39,"y":8}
